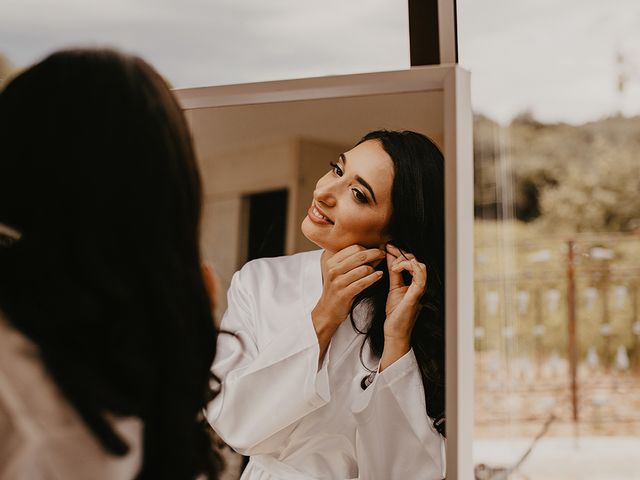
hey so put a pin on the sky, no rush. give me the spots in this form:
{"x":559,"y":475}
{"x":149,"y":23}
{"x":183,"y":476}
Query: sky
{"x":553,"y":58}
{"x":213,"y":42}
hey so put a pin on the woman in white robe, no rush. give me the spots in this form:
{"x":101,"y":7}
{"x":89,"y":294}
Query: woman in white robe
{"x":303,"y":394}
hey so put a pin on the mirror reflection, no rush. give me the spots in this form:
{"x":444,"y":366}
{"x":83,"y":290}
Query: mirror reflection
{"x":328,"y":236}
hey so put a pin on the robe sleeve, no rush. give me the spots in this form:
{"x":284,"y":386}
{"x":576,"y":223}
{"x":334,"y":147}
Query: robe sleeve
{"x":264,"y":388}
{"x":395,"y":437}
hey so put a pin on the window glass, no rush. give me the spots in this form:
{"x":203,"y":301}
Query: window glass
{"x":205,"y":42}
{"x":556,"y":97}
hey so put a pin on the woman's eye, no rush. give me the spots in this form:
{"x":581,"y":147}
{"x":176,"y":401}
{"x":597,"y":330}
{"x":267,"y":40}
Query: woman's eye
{"x":336,"y":169}
{"x":360,"y":197}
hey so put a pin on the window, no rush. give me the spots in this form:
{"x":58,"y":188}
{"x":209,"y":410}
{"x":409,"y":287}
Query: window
{"x":267,"y":222}
{"x":557,"y":255}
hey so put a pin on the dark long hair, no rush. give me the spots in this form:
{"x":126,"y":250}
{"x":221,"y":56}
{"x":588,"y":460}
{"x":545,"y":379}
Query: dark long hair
{"x":416,"y":226}
{"x":99,"y":178}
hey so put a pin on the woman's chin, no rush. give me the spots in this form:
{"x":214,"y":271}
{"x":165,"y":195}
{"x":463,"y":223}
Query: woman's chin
{"x":323,"y":238}
{"x":311,"y":233}
{"x":308,"y":231}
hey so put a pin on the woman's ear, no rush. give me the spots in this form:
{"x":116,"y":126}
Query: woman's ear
{"x":211,"y":283}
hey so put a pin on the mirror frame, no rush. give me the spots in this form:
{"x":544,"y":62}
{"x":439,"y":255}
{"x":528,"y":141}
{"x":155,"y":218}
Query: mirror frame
{"x":454,"y":83}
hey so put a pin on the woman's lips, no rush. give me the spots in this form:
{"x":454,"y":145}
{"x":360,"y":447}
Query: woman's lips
{"x":316,"y":217}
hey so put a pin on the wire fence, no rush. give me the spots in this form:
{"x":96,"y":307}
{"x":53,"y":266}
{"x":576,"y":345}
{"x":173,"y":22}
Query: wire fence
{"x":557,"y":331}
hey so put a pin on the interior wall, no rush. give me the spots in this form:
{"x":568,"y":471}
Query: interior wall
{"x":247,"y":170}
{"x":219,"y":130}
{"x":227,"y":179}
{"x":221,"y":239}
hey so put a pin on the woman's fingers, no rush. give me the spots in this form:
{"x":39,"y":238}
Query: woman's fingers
{"x":418,"y":273}
{"x":395,"y":277}
{"x":400,"y":265}
{"x":396,"y":263}
{"x":346,"y":253}
{"x":360,"y":285}
{"x":354,"y":275}
{"x":419,"y":279}
{"x":345,"y":275}
{"x":399,"y":254}
{"x":356,"y":259}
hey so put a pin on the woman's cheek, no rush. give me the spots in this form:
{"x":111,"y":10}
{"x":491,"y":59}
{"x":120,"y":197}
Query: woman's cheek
{"x":372,"y":232}
{"x":357,"y":231}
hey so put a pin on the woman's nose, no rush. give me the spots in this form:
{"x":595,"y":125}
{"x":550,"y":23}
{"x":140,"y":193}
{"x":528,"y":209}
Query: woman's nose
{"x":324,"y":194}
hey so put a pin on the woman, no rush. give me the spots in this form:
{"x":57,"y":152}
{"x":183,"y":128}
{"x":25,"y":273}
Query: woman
{"x":106,"y":331}
{"x":309,"y":394}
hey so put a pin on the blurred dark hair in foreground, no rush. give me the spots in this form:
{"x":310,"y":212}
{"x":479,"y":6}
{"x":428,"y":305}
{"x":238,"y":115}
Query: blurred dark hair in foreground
{"x":99,"y":178}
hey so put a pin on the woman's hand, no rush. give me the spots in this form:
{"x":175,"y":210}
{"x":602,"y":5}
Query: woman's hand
{"x":403,"y":303}
{"x":345,"y":274}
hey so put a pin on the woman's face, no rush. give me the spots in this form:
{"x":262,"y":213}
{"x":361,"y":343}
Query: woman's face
{"x":352,"y":203}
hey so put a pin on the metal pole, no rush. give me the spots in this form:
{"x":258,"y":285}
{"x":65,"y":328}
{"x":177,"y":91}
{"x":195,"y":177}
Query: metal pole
{"x":538,"y":338}
{"x":606,"y":334}
{"x":635,"y":318}
{"x":571,"y":310}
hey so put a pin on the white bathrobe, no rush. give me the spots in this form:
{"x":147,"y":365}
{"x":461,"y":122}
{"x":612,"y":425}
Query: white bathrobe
{"x":300,"y":420}
{"x":42,"y":436}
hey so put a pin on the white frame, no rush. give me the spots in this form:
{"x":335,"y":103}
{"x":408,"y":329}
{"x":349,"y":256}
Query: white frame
{"x":458,"y":152}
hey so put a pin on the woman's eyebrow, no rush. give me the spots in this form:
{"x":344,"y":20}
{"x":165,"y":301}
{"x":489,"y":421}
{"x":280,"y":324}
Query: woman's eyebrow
{"x":360,"y":180}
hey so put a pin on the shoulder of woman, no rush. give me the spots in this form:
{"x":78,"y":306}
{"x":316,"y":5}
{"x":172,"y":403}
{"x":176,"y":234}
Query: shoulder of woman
{"x":36,"y":419}
{"x":28,"y":393}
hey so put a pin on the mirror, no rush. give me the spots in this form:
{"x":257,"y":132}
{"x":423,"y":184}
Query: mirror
{"x":262,"y":148}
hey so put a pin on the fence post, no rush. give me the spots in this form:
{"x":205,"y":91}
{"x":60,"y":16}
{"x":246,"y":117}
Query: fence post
{"x":635,"y":318}
{"x":571,"y":311}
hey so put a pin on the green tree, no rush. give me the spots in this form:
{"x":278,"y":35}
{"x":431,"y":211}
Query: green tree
{"x":604,"y":197}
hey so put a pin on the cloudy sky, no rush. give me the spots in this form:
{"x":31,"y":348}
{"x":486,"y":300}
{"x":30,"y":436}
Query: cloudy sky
{"x":555,"y":58}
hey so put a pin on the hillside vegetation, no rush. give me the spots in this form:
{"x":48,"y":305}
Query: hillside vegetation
{"x":566,"y":178}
